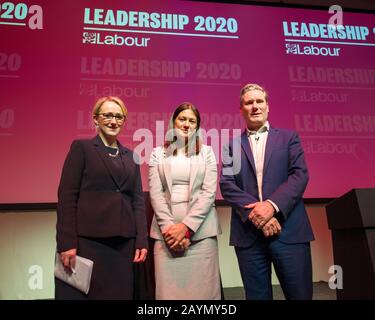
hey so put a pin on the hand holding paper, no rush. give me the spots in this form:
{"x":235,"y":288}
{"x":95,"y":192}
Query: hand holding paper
{"x":80,"y":277}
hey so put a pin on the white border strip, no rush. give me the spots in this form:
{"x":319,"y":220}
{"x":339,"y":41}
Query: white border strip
{"x":159,"y":32}
{"x":333,"y":42}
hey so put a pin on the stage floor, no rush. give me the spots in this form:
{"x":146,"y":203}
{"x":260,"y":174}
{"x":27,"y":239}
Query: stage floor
{"x":321,"y":292}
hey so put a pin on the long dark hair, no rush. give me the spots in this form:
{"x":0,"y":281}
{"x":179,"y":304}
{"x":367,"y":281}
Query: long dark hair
{"x":197,"y":143}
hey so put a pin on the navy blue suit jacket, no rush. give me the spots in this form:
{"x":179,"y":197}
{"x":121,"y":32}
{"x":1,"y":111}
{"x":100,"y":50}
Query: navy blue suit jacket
{"x":285,"y":177}
{"x":91,"y":200}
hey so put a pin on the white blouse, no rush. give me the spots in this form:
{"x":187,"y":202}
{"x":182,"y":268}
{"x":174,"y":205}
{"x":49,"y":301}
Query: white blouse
{"x":180,"y":174}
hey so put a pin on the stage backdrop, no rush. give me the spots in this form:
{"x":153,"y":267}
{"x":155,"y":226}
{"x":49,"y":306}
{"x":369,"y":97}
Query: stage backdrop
{"x":57,"y":57}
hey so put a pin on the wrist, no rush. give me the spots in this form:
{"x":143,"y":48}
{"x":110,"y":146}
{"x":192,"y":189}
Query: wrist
{"x":187,"y":234}
{"x":275,"y":208}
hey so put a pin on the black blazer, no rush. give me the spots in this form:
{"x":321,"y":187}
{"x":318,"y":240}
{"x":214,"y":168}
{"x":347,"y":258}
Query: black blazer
{"x":93,"y":203}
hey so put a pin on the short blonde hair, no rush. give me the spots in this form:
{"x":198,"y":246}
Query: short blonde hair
{"x":252,"y":86}
{"x":117,"y":100}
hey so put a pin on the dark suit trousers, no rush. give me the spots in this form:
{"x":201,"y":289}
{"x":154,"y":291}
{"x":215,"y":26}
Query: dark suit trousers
{"x":292,"y":263}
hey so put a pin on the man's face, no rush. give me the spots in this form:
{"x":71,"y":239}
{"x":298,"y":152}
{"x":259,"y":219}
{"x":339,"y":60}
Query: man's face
{"x":254,"y":109}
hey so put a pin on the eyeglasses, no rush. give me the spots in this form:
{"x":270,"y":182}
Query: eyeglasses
{"x":109,"y":116}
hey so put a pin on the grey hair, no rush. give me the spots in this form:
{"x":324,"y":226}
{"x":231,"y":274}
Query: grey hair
{"x":252,"y":86}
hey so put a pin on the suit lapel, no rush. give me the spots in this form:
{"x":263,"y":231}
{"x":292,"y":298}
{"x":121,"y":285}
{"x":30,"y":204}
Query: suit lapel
{"x":102,"y":152}
{"x":194,"y":166}
{"x":125,"y":158}
{"x":246,"y":148}
{"x":270,"y":146}
{"x":166,"y":166}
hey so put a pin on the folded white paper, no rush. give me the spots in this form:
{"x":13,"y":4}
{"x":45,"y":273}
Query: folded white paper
{"x":80,"y":278}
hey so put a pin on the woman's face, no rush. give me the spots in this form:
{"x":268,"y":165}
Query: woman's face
{"x":185,"y":123}
{"x":110,"y":119}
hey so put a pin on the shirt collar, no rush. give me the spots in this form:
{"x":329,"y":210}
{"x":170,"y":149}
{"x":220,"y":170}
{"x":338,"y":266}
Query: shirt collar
{"x":264,"y":128}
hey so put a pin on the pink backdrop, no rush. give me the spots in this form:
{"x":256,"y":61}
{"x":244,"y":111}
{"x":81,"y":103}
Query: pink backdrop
{"x":51,"y":77}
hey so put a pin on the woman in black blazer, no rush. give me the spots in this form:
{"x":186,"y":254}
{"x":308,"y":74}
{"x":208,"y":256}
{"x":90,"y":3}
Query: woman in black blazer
{"x":101,"y":211}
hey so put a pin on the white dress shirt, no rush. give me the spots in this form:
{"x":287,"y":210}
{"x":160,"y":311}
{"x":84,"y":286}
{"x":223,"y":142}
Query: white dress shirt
{"x":258,"y":141}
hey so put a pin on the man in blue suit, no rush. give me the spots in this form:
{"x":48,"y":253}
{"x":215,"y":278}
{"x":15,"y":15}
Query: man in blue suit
{"x":263,"y":178}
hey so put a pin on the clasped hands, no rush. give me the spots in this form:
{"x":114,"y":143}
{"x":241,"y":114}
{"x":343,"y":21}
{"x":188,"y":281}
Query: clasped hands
{"x":262,"y":217}
{"x":175,"y":238}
